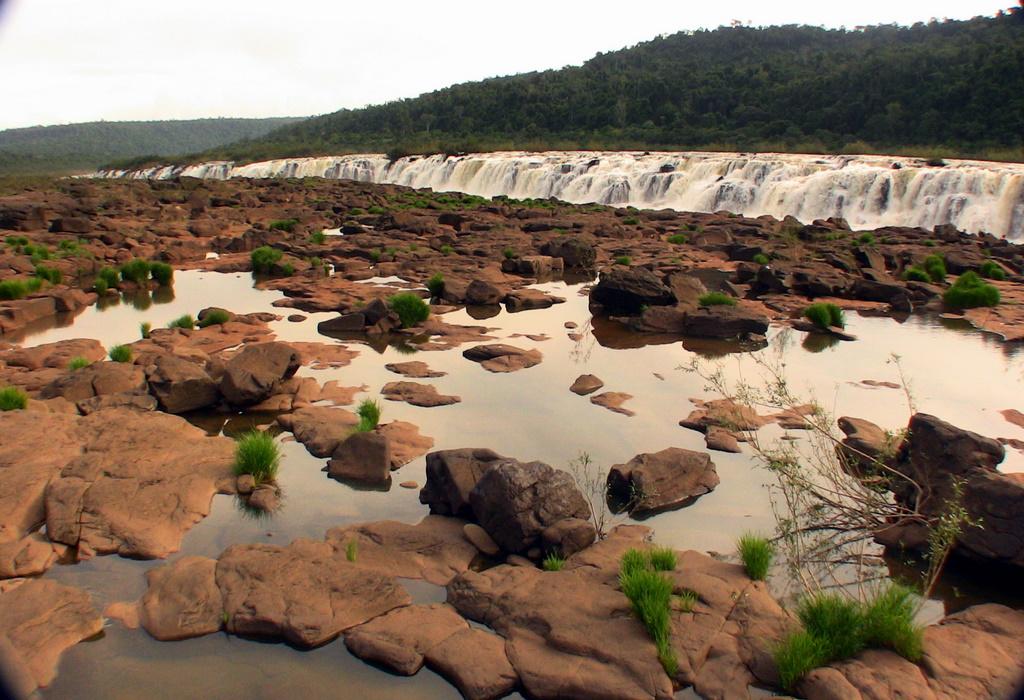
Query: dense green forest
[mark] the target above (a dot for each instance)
(81, 147)
(949, 88)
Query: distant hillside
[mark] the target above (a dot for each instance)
(78, 147)
(952, 87)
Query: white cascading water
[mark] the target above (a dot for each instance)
(867, 191)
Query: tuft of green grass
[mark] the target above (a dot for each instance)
(992, 271)
(716, 299)
(915, 274)
(257, 454)
(216, 317)
(688, 600)
(757, 554)
(144, 329)
(662, 558)
(866, 239)
(162, 273)
(623, 260)
(184, 321)
(287, 225)
(969, 291)
(49, 274)
(631, 221)
(509, 254)
(136, 271)
(436, 285)
(264, 258)
(12, 399)
(377, 210)
(447, 249)
(108, 275)
(889, 622)
(824, 315)
(796, 656)
(935, 266)
(633, 560)
(553, 562)
(318, 238)
(121, 353)
(369, 415)
(79, 362)
(678, 238)
(411, 309)
(761, 259)
(835, 620)
(352, 550)
(650, 595)
(100, 287)
(14, 289)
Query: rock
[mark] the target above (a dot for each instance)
(613, 400)
(423, 395)
(476, 662)
(451, 475)
(265, 498)
(1012, 415)
(182, 600)
(406, 442)
(724, 322)
(656, 481)
(296, 318)
(480, 539)
(320, 428)
(414, 369)
(180, 386)
(628, 289)
(503, 358)
(363, 457)
(409, 485)
(568, 536)
(98, 379)
(529, 299)
(720, 439)
(135, 402)
(724, 413)
(56, 355)
(254, 373)
(586, 384)
(865, 442)
(245, 484)
(400, 639)
(515, 501)
(306, 593)
(29, 556)
(575, 252)
(39, 620)
(483, 293)
(140, 481)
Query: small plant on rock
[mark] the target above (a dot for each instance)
(447, 249)
(264, 258)
(824, 315)
(992, 271)
(969, 291)
(623, 260)
(662, 558)
(650, 594)
(553, 562)
(162, 273)
(12, 399)
(935, 266)
(369, 415)
(757, 554)
(915, 274)
(184, 321)
(121, 353)
(287, 225)
(761, 259)
(352, 550)
(49, 274)
(716, 299)
(257, 454)
(688, 600)
(318, 238)
(509, 254)
(135, 271)
(144, 329)
(77, 363)
(214, 317)
(411, 309)
(435, 285)
(678, 238)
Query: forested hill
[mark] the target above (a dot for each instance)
(957, 85)
(77, 147)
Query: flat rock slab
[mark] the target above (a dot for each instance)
(324, 355)
(54, 355)
(613, 401)
(29, 556)
(182, 600)
(414, 369)
(416, 394)
(406, 442)
(586, 384)
(655, 481)
(306, 593)
(1013, 416)
(39, 619)
(320, 428)
(503, 358)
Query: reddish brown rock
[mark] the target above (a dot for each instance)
(253, 374)
(319, 428)
(400, 639)
(414, 369)
(56, 355)
(656, 481)
(406, 442)
(586, 384)
(98, 379)
(28, 556)
(423, 395)
(363, 457)
(503, 358)
(451, 475)
(613, 400)
(182, 600)
(180, 386)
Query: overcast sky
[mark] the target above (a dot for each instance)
(65, 61)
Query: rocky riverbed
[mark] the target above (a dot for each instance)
(554, 330)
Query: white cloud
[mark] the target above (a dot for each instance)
(69, 60)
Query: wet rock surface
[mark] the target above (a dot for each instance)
(423, 395)
(503, 358)
(656, 481)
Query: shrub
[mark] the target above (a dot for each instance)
(678, 238)
(50, 274)
(797, 655)
(108, 275)
(369, 415)
(761, 259)
(136, 271)
(77, 363)
(184, 321)
(553, 562)
(12, 399)
(631, 221)
(688, 600)
(100, 287)
(376, 210)
(866, 239)
(969, 292)
(162, 273)
(264, 258)
(352, 550)
(318, 238)
(436, 285)
(257, 454)
(411, 309)
(824, 315)
(509, 254)
(287, 225)
(992, 271)
(757, 554)
(915, 274)
(623, 260)
(662, 558)
(935, 266)
(889, 622)
(716, 299)
(144, 328)
(121, 353)
(287, 269)
(447, 249)
(215, 317)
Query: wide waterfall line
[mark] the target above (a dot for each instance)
(867, 191)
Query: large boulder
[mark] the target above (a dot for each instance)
(629, 289)
(98, 379)
(514, 502)
(320, 428)
(656, 481)
(575, 252)
(254, 373)
(451, 476)
(182, 600)
(724, 322)
(363, 457)
(179, 385)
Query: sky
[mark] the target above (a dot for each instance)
(65, 61)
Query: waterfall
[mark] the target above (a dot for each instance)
(868, 191)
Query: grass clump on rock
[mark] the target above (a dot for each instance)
(287, 225)
(969, 291)
(435, 285)
(678, 238)
(553, 562)
(318, 238)
(258, 455)
(369, 415)
(184, 321)
(352, 550)
(411, 309)
(144, 329)
(662, 558)
(49, 274)
(716, 299)
(761, 259)
(214, 317)
(650, 594)
(757, 554)
(162, 273)
(509, 254)
(935, 266)
(12, 399)
(992, 271)
(18, 289)
(77, 363)
(120, 353)
(623, 260)
(825, 315)
(915, 274)
(136, 271)
(264, 258)
(688, 600)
